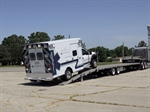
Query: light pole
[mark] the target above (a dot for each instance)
(123, 50)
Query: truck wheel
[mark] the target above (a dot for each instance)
(112, 71)
(142, 66)
(93, 63)
(68, 74)
(117, 70)
(145, 65)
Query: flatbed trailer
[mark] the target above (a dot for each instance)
(110, 69)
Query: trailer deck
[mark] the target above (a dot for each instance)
(109, 67)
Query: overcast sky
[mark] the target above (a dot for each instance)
(105, 23)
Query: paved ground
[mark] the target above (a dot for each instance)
(127, 92)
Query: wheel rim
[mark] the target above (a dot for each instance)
(142, 65)
(95, 63)
(68, 74)
(113, 71)
(145, 65)
(118, 71)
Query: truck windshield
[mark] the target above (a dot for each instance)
(84, 52)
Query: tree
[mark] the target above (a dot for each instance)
(38, 37)
(13, 45)
(130, 51)
(142, 44)
(58, 37)
(101, 53)
(93, 49)
(119, 51)
(112, 53)
(5, 56)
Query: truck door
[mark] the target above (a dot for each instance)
(36, 60)
(76, 54)
(85, 56)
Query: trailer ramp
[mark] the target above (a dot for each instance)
(79, 76)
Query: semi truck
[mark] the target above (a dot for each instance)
(139, 55)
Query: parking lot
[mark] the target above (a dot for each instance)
(127, 92)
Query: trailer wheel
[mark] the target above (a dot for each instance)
(68, 74)
(117, 70)
(112, 71)
(94, 63)
(145, 65)
(142, 65)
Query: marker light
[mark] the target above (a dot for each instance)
(39, 45)
(29, 46)
(48, 66)
(52, 46)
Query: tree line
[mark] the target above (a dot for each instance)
(11, 48)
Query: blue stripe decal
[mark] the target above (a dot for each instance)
(56, 65)
(76, 60)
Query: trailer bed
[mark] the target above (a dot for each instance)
(99, 68)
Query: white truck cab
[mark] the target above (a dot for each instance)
(45, 61)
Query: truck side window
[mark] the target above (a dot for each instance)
(32, 56)
(39, 56)
(84, 52)
(74, 53)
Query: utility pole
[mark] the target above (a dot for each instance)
(148, 28)
(123, 50)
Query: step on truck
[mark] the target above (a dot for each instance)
(46, 61)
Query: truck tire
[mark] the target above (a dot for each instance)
(145, 65)
(112, 71)
(68, 74)
(117, 70)
(93, 63)
(142, 66)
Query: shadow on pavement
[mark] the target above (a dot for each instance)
(40, 84)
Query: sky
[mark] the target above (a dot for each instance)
(107, 23)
